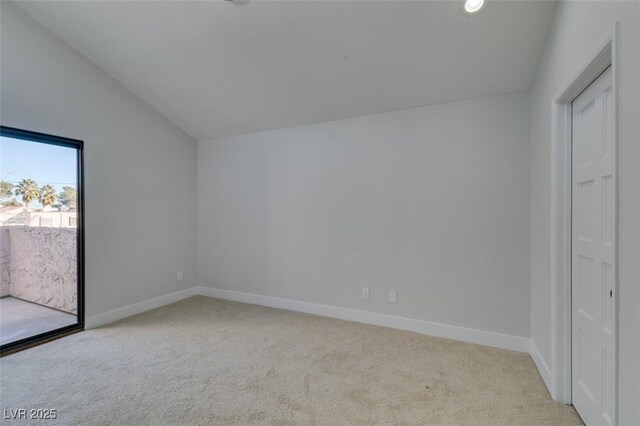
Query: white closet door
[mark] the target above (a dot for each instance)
(593, 252)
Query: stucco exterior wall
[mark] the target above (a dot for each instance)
(4, 262)
(40, 265)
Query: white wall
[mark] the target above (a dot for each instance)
(577, 29)
(432, 202)
(140, 169)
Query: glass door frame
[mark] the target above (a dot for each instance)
(78, 145)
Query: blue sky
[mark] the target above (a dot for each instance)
(46, 164)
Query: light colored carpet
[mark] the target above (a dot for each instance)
(206, 361)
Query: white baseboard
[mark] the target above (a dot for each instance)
(137, 308)
(470, 335)
(487, 338)
(541, 365)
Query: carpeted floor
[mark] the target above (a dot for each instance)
(206, 361)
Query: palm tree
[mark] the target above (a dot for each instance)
(29, 191)
(68, 197)
(6, 189)
(48, 195)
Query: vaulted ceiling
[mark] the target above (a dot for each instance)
(220, 68)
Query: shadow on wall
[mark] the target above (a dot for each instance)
(39, 265)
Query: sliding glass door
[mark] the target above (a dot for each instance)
(41, 238)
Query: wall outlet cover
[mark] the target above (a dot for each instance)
(365, 293)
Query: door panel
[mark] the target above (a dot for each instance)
(593, 253)
(41, 238)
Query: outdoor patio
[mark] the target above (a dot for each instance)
(38, 280)
(20, 319)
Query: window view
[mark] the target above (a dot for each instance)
(39, 250)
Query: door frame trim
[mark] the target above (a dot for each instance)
(605, 54)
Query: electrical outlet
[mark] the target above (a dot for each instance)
(393, 296)
(365, 293)
(179, 277)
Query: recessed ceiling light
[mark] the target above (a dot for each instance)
(473, 6)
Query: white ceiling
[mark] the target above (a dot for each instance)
(226, 68)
